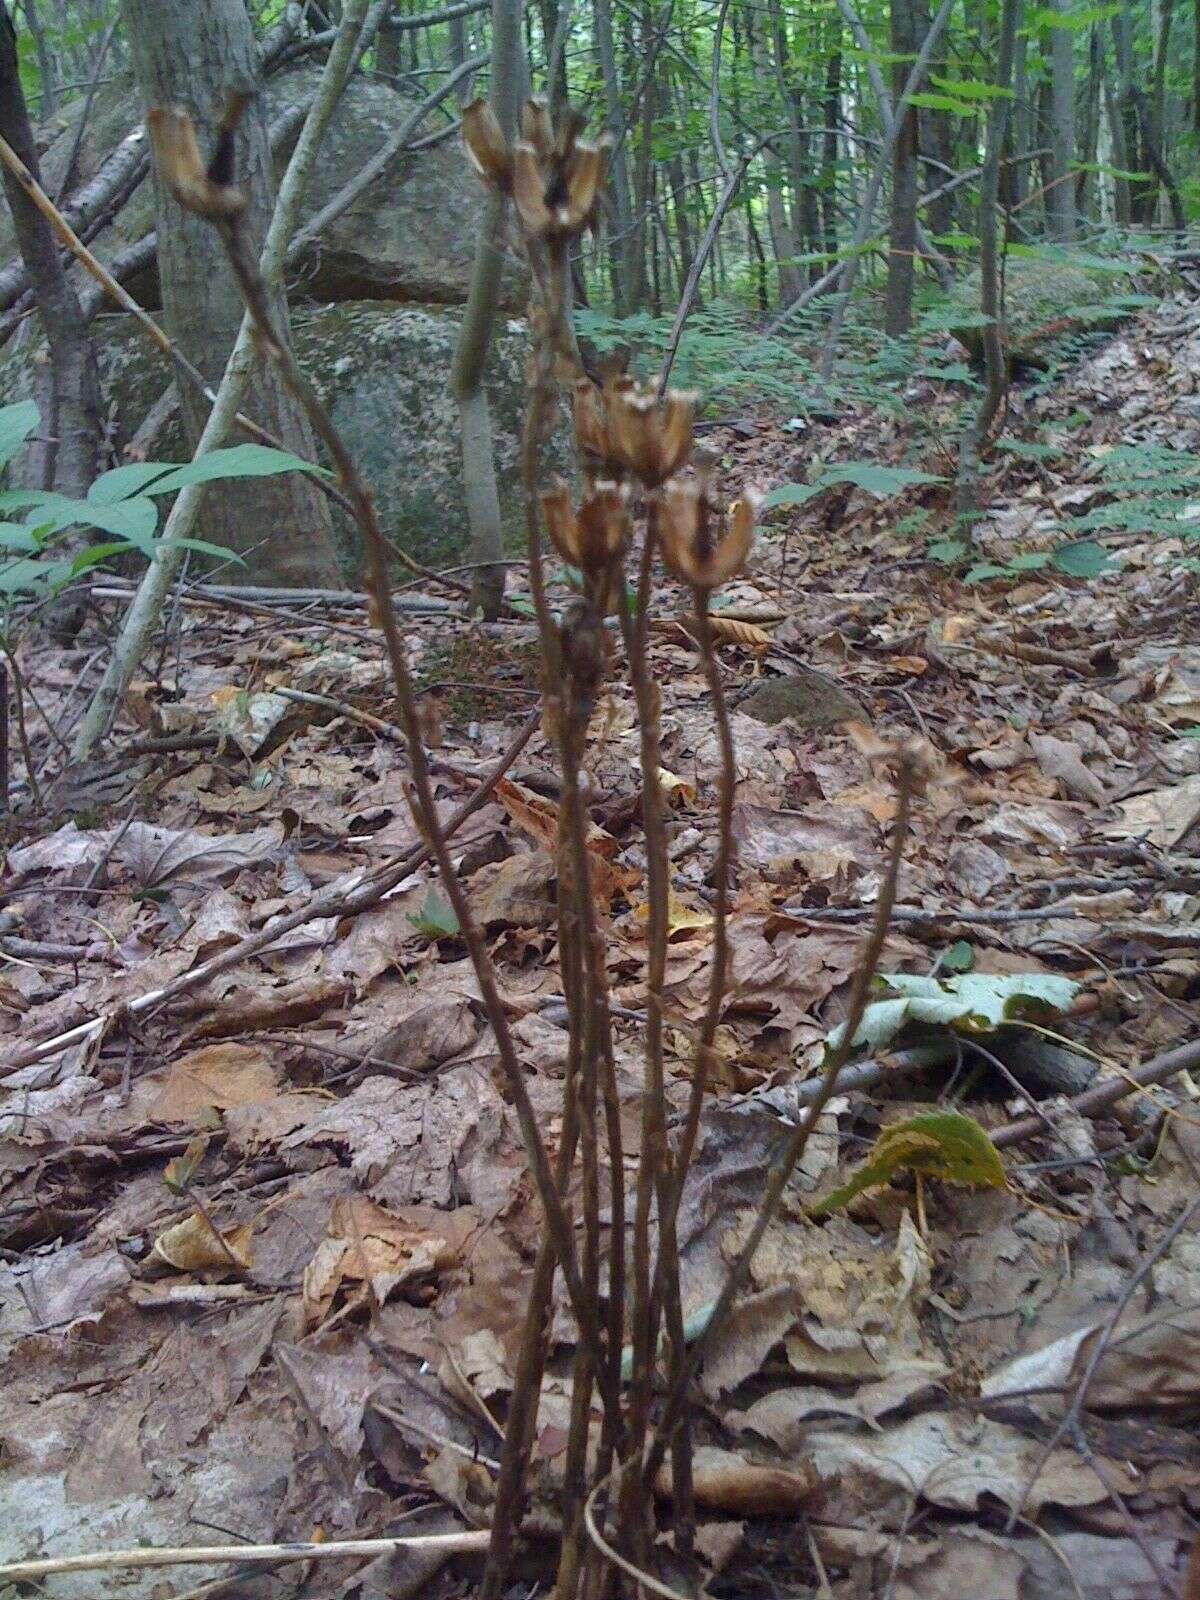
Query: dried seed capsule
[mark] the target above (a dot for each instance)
(700, 544)
(486, 145)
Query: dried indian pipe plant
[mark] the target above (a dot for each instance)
(210, 193)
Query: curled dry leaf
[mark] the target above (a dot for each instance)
(723, 1481)
(193, 1246)
(727, 630)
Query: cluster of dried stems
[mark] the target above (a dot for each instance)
(635, 449)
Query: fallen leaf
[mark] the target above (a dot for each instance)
(1163, 817)
(370, 1253)
(215, 1078)
(192, 1246)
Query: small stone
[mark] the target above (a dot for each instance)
(806, 697)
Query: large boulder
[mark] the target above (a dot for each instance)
(409, 237)
(1043, 300)
(382, 371)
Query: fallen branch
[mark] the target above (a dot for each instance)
(1097, 1099)
(259, 1555)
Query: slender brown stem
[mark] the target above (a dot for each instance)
(727, 791)
(18, 705)
(785, 1163)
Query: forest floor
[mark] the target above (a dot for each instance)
(330, 1098)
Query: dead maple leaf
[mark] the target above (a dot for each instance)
(370, 1253)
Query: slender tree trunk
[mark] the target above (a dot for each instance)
(1022, 125)
(1091, 123)
(1060, 197)
(486, 536)
(47, 69)
(1120, 153)
(902, 234)
(193, 53)
(829, 151)
(995, 354)
(783, 244)
(624, 267)
(67, 452)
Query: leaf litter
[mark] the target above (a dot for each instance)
(266, 1244)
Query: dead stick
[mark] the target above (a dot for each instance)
(1102, 1095)
(244, 1554)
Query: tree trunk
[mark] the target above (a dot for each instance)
(995, 354)
(1022, 125)
(67, 452)
(194, 52)
(1120, 154)
(623, 251)
(902, 234)
(1060, 197)
(485, 530)
(1091, 124)
(829, 151)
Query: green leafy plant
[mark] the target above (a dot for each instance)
(121, 503)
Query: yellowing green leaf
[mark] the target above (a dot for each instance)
(937, 1144)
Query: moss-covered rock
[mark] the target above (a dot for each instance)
(409, 237)
(383, 372)
(1040, 297)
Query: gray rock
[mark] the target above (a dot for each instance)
(806, 697)
(1038, 299)
(409, 237)
(382, 371)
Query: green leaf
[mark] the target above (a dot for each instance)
(791, 494)
(959, 957)
(207, 549)
(1027, 450)
(135, 520)
(948, 551)
(17, 422)
(133, 478)
(938, 1144)
(1083, 560)
(436, 919)
(14, 537)
(239, 461)
(968, 1003)
(983, 570)
(1030, 561)
(942, 102)
(875, 479)
(94, 554)
(972, 89)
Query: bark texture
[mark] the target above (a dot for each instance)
(67, 452)
(193, 53)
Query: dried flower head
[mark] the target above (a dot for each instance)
(702, 543)
(647, 436)
(486, 145)
(555, 175)
(208, 191)
(595, 538)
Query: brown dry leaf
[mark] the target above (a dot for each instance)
(215, 1078)
(956, 1460)
(1063, 761)
(515, 893)
(1163, 817)
(539, 819)
(959, 1563)
(679, 791)
(724, 1481)
(192, 1246)
(250, 1008)
(912, 666)
(370, 1253)
(727, 630)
